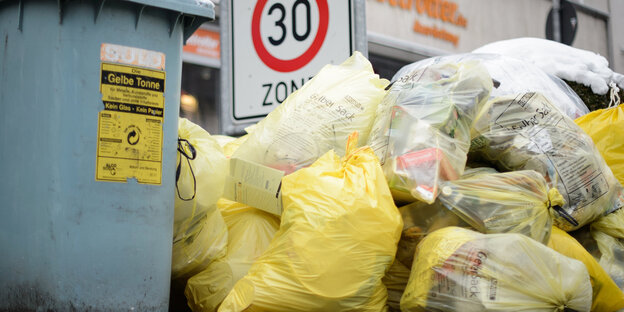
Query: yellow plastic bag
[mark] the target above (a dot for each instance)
(461, 270)
(223, 140)
(608, 232)
(527, 132)
(230, 147)
(318, 117)
(199, 232)
(510, 202)
(250, 231)
(606, 128)
(606, 294)
(229, 144)
(337, 238)
(422, 130)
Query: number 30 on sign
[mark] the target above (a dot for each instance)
(278, 45)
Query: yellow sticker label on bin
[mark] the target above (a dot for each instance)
(130, 128)
(132, 85)
(129, 145)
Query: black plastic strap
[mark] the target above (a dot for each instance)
(496, 83)
(565, 215)
(183, 152)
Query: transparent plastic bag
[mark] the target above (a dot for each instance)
(606, 128)
(608, 233)
(461, 270)
(250, 231)
(318, 117)
(510, 202)
(199, 232)
(422, 130)
(476, 170)
(395, 281)
(527, 132)
(606, 294)
(514, 76)
(336, 240)
(420, 219)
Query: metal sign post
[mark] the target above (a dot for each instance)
(561, 22)
(271, 48)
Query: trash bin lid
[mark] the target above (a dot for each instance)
(193, 12)
(199, 8)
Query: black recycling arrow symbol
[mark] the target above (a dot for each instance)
(133, 137)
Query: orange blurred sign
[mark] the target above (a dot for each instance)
(443, 10)
(204, 43)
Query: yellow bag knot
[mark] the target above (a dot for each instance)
(555, 198)
(352, 143)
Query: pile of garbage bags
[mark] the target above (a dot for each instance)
(464, 184)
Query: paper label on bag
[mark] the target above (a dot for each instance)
(254, 185)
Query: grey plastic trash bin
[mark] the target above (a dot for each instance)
(90, 97)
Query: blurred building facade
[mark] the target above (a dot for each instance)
(403, 31)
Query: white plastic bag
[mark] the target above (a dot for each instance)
(561, 60)
(514, 76)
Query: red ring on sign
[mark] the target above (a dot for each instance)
(281, 65)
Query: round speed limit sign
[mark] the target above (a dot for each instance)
(278, 45)
(300, 32)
